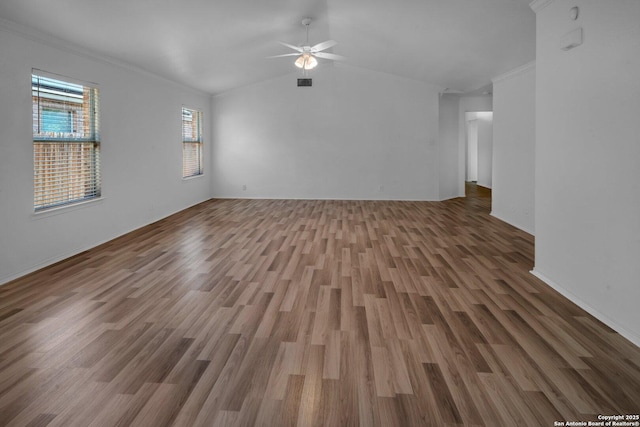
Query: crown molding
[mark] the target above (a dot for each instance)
(37, 36)
(515, 72)
(538, 5)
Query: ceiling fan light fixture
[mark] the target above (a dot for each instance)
(306, 61)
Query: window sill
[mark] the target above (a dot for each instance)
(189, 178)
(64, 209)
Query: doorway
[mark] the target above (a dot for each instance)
(479, 148)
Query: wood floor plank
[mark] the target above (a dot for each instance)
(308, 312)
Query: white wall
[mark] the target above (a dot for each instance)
(349, 134)
(514, 147)
(587, 175)
(448, 146)
(140, 152)
(485, 149)
(468, 104)
(472, 149)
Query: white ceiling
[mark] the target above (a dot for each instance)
(217, 45)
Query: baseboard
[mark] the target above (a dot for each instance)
(49, 261)
(525, 229)
(53, 260)
(630, 335)
(321, 198)
(444, 199)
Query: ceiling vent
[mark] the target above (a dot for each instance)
(304, 82)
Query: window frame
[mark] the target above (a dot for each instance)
(66, 163)
(188, 171)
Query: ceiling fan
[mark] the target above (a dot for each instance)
(307, 54)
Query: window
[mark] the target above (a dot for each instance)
(66, 145)
(56, 120)
(191, 143)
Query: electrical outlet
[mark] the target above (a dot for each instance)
(244, 187)
(381, 188)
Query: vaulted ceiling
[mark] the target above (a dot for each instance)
(218, 45)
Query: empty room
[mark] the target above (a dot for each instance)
(300, 213)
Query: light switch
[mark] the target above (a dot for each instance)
(571, 39)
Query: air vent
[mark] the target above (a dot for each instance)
(304, 82)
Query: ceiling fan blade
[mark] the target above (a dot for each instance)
(285, 54)
(323, 45)
(290, 46)
(331, 56)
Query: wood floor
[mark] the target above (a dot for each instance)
(282, 313)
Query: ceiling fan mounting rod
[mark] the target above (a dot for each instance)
(306, 22)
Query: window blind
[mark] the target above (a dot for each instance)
(66, 142)
(192, 164)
